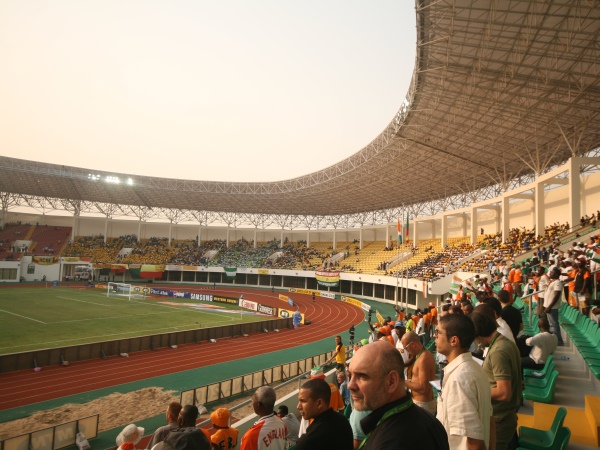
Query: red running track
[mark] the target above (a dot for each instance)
(328, 317)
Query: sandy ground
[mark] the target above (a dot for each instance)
(117, 410)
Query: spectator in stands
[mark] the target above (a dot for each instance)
(466, 307)
(420, 372)
(131, 435)
(465, 404)
(342, 381)
(496, 308)
(268, 432)
(291, 423)
(377, 384)
(357, 432)
(552, 297)
(328, 429)
(543, 345)
(502, 366)
(159, 435)
(510, 314)
(226, 437)
(339, 355)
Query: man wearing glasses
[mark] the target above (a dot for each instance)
(465, 403)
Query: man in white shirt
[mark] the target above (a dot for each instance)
(543, 345)
(543, 283)
(465, 404)
(552, 303)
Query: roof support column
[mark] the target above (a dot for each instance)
(574, 190)
(414, 232)
(360, 237)
(170, 231)
(473, 225)
(255, 231)
(464, 224)
(105, 229)
(308, 238)
(540, 209)
(444, 230)
(505, 217)
(334, 239)
(227, 237)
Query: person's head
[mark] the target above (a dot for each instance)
(484, 319)
(504, 296)
(493, 303)
(220, 418)
(314, 397)
(376, 376)
(338, 340)
(455, 309)
(282, 411)
(445, 309)
(131, 433)
(555, 273)
(543, 324)
(466, 307)
(541, 271)
(454, 334)
(173, 411)
(188, 416)
(341, 377)
(263, 400)
(412, 343)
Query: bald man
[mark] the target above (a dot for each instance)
(420, 373)
(377, 384)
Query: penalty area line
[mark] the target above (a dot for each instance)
(24, 317)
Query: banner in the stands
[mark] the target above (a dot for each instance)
(263, 271)
(45, 260)
(118, 268)
(146, 271)
(231, 272)
(328, 278)
(174, 267)
(75, 259)
(327, 294)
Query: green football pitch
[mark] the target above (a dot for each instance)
(42, 318)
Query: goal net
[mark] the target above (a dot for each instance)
(125, 290)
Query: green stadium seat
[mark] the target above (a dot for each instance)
(534, 439)
(542, 394)
(540, 382)
(544, 371)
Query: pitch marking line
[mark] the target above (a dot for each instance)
(24, 317)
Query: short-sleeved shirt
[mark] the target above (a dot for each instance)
(553, 287)
(225, 438)
(503, 362)
(340, 358)
(465, 404)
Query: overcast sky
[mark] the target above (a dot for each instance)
(249, 90)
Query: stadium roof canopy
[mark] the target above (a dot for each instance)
(500, 90)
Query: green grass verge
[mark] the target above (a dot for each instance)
(41, 318)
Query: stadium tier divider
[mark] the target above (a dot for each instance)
(11, 362)
(56, 437)
(220, 390)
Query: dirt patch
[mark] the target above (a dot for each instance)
(118, 410)
(115, 410)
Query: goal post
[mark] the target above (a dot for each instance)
(125, 290)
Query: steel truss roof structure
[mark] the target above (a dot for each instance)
(502, 91)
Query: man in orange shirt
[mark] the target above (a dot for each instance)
(518, 281)
(434, 317)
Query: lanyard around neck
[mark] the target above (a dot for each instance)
(395, 410)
